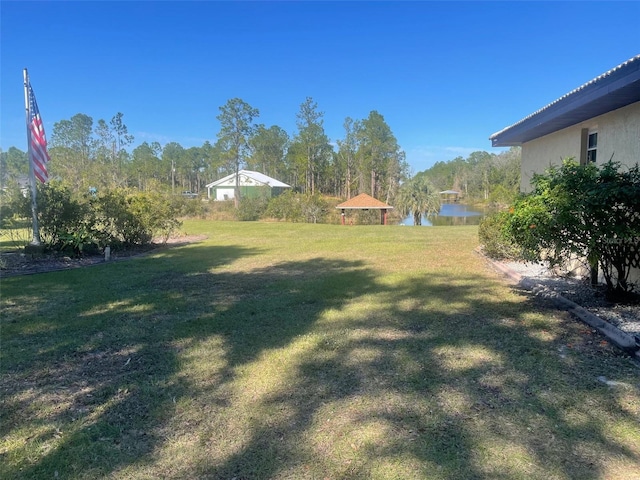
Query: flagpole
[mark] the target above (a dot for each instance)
(32, 177)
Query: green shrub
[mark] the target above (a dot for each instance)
(251, 209)
(78, 241)
(115, 223)
(60, 215)
(583, 211)
(224, 210)
(314, 208)
(79, 224)
(156, 213)
(14, 205)
(188, 207)
(501, 196)
(298, 207)
(495, 239)
(286, 206)
(122, 218)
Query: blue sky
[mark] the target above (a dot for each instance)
(445, 75)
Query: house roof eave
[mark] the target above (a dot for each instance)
(610, 91)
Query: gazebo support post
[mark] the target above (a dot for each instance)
(342, 217)
(383, 216)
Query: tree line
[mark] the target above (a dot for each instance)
(97, 155)
(367, 159)
(482, 177)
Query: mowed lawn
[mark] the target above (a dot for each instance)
(298, 351)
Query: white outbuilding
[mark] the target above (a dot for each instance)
(251, 184)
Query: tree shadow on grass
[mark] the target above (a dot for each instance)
(86, 365)
(96, 384)
(298, 369)
(460, 385)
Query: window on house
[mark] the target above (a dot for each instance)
(592, 146)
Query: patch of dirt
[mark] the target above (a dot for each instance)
(18, 263)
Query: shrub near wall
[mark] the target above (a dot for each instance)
(585, 211)
(495, 239)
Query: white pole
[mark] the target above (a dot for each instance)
(32, 176)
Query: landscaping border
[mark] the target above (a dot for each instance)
(617, 337)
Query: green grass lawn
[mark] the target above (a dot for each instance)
(12, 239)
(298, 351)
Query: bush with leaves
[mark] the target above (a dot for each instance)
(115, 223)
(612, 207)
(188, 207)
(63, 220)
(219, 210)
(118, 218)
(495, 239)
(78, 241)
(298, 207)
(314, 208)
(251, 209)
(501, 196)
(286, 206)
(156, 213)
(123, 218)
(14, 205)
(583, 211)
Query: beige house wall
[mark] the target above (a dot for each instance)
(618, 135)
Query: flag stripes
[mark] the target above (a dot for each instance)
(38, 155)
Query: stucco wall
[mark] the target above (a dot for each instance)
(618, 135)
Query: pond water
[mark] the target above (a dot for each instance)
(450, 214)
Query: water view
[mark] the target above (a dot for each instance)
(451, 214)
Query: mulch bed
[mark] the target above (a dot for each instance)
(18, 263)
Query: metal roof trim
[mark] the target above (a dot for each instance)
(257, 177)
(596, 88)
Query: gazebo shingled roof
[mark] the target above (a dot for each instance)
(364, 202)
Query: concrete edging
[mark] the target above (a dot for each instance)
(616, 336)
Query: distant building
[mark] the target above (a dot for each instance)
(21, 181)
(251, 185)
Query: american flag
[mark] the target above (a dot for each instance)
(37, 140)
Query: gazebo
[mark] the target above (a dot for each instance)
(365, 202)
(449, 194)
